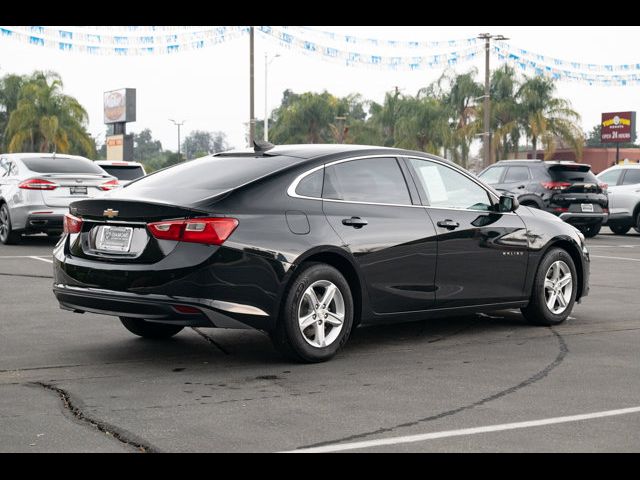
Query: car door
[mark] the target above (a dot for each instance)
(482, 253)
(612, 178)
(368, 203)
(516, 179)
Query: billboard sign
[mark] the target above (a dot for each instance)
(120, 106)
(618, 127)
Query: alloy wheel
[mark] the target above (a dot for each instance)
(321, 314)
(558, 286)
(4, 223)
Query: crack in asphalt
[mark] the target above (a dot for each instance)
(24, 275)
(72, 406)
(562, 353)
(210, 340)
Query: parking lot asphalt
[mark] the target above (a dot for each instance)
(71, 382)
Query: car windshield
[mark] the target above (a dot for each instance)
(124, 172)
(62, 165)
(572, 173)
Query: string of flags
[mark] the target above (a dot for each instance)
(348, 50)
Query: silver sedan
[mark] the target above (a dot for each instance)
(37, 188)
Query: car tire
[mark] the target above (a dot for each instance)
(327, 324)
(8, 236)
(153, 330)
(543, 308)
(636, 227)
(619, 229)
(592, 230)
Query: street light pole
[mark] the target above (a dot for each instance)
(486, 140)
(178, 124)
(266, 118)
(252, 118)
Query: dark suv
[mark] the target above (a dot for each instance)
(565, 188)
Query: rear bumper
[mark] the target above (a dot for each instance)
(159, 308)
(620, 219)
(584, 218)
(44, 223)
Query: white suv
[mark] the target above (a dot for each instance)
(125, 172)
(624, 197)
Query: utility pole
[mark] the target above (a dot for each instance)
(252, 117)
(486, 140)
(178, 124)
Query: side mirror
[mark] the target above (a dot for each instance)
(508, 203)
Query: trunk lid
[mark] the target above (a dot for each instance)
(72, 187)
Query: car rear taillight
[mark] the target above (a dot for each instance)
(110, 185)
(210, 231)
(556, 185)
(186, 309)
(561, 209)
(37, 184)
(603, 186)
(71, 224)
(605, 210)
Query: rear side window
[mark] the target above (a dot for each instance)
(516, 174)
(631, 177)
(492, 175)
(62, 165)
(122, 172)
(572, 174)
(371, 180)
(311, 185)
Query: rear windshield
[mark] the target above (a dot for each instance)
(203, 177)
(570, 173)
(62, 165)
(122, 172)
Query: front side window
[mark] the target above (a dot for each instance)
(447, 188)
(631, 177)
(611, 177)
(492, 175)
(370, 180)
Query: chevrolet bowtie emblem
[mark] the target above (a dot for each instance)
(109, 213)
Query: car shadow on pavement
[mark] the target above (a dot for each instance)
(250, 348)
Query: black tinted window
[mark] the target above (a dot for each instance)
(516, 174)
(375, 180)
(631, 177)
(123, 173)
(62, 165)
(311, 185)
(572, 174)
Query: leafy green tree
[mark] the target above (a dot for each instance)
(45, 119)
(545, 117)
(423, 125)
(201, 143)
(505, 113)
(10, 86)
(145, 147)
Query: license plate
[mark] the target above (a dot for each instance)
(114, 239)
(587, 207)
(78, 190)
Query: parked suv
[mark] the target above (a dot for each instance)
(624, 197)
(567, 189)
(37, 188)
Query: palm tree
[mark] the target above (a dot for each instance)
(305, 118)
(458, 93)
(505, 112)
(45, 119)
(385, 117)
(545, 117)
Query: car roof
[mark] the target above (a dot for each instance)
(528, 161)
(624, 165)
(314, 150)
(20, 156)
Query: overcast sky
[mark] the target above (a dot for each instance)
(208, 88)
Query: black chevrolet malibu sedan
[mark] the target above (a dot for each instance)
(308, 241)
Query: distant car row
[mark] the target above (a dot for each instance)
(36, 189)
(572, 192)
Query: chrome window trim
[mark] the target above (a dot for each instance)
(291, 191)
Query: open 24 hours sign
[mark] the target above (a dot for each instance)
(618, 127)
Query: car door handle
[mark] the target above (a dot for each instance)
(520, 186)
(355, 222)
(448, 224)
